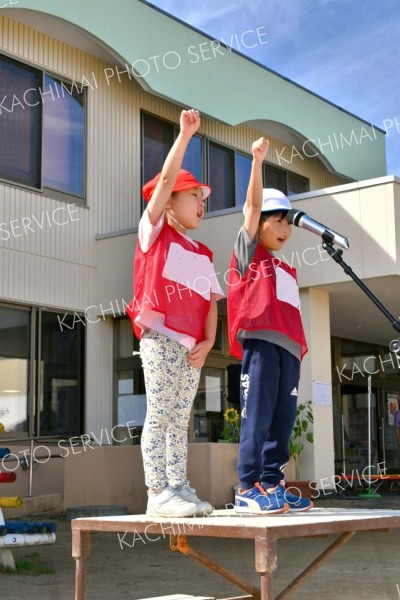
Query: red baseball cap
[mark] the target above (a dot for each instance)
(184, 181)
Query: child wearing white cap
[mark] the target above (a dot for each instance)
(266, 332)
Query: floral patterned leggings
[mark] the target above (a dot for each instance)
(171, 385)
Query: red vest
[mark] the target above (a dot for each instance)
(253, 302)
(185, 310)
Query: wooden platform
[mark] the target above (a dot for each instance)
(264, 530)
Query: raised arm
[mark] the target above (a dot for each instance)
(198, 354)
(189, 124)
(254, 190)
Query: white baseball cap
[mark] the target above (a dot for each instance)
(272, 200)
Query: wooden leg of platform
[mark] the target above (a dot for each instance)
(267, 592)
(178, 543)
(80, 552)
(266, 564)
(296, 583)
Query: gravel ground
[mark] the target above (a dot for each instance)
(366, 568)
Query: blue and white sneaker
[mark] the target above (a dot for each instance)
(259, 502)
(295, 503)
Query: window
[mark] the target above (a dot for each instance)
(227, 170)
(63, 137)
(42, 130)
(286, 182)
(218, 347)
(15, 333)
(221, 163)
(242, 176)
(274, 178)
(129, 404)
(296, 184)
(20, 123)
(209, 404)
(157, 139)
(193, 159)
(41, 391)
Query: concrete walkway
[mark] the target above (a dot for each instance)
(367, 568)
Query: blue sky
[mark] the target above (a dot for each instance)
(348, 51)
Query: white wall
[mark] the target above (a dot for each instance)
(317, 459)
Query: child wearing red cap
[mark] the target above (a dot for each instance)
(174, 314)
(266, 332)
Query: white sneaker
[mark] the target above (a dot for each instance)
(189, 494)
(169, 504)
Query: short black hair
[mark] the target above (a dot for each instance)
(273, 213)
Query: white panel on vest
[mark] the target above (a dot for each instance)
(286, 288)
(192, 270)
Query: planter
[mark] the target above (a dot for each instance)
(290, 470)
(212, 471)
(301, 488)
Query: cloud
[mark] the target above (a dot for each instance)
(359, 73)
(346, 52)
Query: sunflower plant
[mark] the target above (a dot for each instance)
(231, 430)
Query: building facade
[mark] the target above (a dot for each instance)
(88, 113)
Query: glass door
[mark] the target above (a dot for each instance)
(389, 421)
(60, 377)
(355, 429)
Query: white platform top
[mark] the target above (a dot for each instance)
(322, 519)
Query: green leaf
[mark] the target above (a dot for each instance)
(304, 417)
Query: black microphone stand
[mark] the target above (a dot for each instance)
(336, 254)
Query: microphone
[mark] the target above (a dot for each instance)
(300, 219)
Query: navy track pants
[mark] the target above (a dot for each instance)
(268, 397)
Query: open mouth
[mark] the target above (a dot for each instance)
(200, 214)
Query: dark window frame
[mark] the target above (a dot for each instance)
(301, 178)
(236, 152)
(38, 123)
(82, 368)
(231, 151)
(286, 174)
(35, 384)
(174, 130)
(38, 186)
